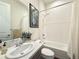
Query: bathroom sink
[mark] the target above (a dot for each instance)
(20, 51)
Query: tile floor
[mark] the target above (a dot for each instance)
(43, 58)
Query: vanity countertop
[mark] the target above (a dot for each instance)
(38, 45)
(2, 56)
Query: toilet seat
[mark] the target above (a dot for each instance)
(47, 52)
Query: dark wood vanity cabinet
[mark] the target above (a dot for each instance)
(37, 55)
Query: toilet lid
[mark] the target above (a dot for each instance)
(47, 52)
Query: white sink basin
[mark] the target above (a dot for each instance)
(20, 51)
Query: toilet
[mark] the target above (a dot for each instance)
(47, 53)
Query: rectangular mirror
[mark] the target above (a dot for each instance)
(12, 14)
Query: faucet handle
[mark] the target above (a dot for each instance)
(43, 36)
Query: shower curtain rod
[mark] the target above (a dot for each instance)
(57, 6)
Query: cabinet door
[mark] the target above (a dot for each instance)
(37, 55)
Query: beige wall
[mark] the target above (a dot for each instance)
(18, 12)
(33, 2)
(75, 35)
(41, 17)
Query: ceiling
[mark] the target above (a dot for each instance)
(50, 1)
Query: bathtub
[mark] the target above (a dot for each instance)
(60, 49)
(56, 45)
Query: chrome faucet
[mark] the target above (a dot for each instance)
(18, 42)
